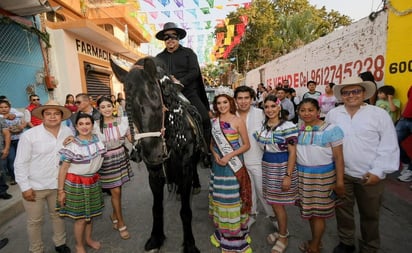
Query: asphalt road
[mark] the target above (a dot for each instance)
(396, 225)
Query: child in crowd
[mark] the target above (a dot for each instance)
(387, 102)
(79, 192)
(312, 93)
(320, 167)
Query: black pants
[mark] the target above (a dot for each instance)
(204, 113)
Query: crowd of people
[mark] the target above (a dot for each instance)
(335, 156)
(323, 153)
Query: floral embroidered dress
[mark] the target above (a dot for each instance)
(231, 232)
(116, 169)
(316, 169)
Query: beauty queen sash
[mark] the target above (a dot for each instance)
(224, 146)
(236, 165)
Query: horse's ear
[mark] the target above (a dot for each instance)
(118, 71)
(150, 66)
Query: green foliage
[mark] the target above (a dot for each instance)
(278, 27)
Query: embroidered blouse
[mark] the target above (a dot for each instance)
(277, 139)
(315, 144)
(85, 156)
(114, 133)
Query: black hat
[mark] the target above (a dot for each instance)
(170, 26)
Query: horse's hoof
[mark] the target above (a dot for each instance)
(154, 243)
(191, 249)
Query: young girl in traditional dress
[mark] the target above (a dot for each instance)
(230, 192)
(321, 168)
(116, 169)
(79, 192)
(278, 139)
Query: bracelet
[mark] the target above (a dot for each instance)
(287, 174)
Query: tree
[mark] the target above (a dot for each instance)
(277, 27)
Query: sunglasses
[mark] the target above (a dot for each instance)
(35, 99)
(78, 102)
(170, 36)
(346, 93)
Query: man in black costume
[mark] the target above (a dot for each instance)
(181, 62)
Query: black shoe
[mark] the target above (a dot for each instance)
(62, 249)
(3, 242)
(5, 196)
(343, 248)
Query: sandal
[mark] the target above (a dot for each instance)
(124, 234)
(304, 247)
(273, 237)
(114, 222)
(280, 246)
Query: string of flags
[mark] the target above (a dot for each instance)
(199, 18)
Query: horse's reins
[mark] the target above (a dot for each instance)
(138, 136)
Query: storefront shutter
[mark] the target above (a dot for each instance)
(97, 80)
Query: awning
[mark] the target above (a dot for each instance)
(87, 30)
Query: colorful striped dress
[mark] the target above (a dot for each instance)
(231, 232)
(316, 169)
(274, 143)
(84, 198)
(116, 169)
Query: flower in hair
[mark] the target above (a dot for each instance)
(224, 90)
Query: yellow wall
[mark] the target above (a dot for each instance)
(398, 66)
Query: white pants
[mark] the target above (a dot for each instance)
(255, 173)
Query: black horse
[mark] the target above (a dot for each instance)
(169, 140)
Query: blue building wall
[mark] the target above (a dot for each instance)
(20, 60)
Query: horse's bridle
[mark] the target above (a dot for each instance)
(141, 135)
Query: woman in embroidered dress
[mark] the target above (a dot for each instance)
(79, 192)
(321, 168)
(227, 203)
(280, 179)
(116, 169)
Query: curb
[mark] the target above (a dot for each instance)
(11, 208)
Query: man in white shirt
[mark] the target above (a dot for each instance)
(36, 168)
(371, 151)
(253, 118)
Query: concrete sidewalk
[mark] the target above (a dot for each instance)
(10, 208)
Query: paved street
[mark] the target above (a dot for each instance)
(396, 226)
